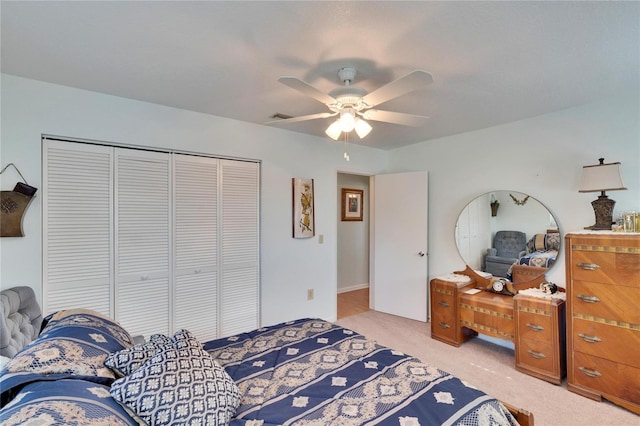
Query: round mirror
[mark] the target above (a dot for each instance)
(508, 234)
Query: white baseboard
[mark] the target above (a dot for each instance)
(353, 288)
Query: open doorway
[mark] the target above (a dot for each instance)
(353, 250)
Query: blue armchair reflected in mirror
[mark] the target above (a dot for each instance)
(508, 247)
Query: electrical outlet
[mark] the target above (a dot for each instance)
(310, 294)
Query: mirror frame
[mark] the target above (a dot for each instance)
(514, 200)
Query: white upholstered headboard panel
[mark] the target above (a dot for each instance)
(20, 319)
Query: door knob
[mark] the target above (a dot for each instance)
(421, 253)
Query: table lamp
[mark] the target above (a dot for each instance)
(602, 177)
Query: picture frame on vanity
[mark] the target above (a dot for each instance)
(352, 206)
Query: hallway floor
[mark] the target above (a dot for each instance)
(353, 303)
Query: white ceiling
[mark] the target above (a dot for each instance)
(492, 62)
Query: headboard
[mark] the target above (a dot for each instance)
(20, 319)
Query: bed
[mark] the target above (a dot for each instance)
(303, 372)
(540, 254)
(541, 250)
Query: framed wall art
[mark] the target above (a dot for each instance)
(352, 200)
(303, 208)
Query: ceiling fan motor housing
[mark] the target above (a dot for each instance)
(348, 96)
(347, 75)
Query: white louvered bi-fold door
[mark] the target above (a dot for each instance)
(240, 246)
(196, 246)
(77, 227)
(157, 241)
(143, 241)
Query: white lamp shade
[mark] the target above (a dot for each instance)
(601, 177)
(362, 128)
(347, 120)
(334, 130)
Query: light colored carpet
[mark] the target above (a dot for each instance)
(491, 368)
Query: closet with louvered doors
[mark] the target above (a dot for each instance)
(157, 240)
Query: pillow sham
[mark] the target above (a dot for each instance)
(128, 360)
(74, 342)
(180, 384)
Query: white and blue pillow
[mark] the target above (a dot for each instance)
(126, 361)
(180, 384)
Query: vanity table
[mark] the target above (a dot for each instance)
(461, 308)
(534, 323)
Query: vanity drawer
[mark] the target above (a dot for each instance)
(443, 300)
(606, 376)
(537, 354)
(443, 326)
(488, 313)
(606, 301)
(616, 343)
(534, 326)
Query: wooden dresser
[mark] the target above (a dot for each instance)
(603, 316)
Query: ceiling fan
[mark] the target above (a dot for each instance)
(353, 104)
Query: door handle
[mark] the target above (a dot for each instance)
(421, 253)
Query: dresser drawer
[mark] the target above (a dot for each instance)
(616, 343)
(606, 376)
(537, 354)
(606, 301)
(619, 268)
(534, 326)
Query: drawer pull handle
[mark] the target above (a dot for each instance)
(535, 327)
(590, 373)
(443, 303)
(588, 299)
(536, 355)
(590, 339)
(588, 266)
(443, 325)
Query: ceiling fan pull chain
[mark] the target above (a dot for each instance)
(346, 146)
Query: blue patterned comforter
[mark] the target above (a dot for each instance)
(312, 372)
(541, 258)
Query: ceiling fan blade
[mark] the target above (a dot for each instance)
(395, 117)
(303, 118)
(412, 81)
(307, 89)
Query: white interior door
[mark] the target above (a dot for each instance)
(399, 240)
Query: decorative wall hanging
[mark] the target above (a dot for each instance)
(13, 205)
(352, 204)
(519, 202)
(303, 208)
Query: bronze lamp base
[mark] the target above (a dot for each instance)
(603, 209)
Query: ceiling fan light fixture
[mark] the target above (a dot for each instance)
(334, 130)
(362, 128)
(347, 120)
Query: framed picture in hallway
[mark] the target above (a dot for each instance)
(352, 200)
